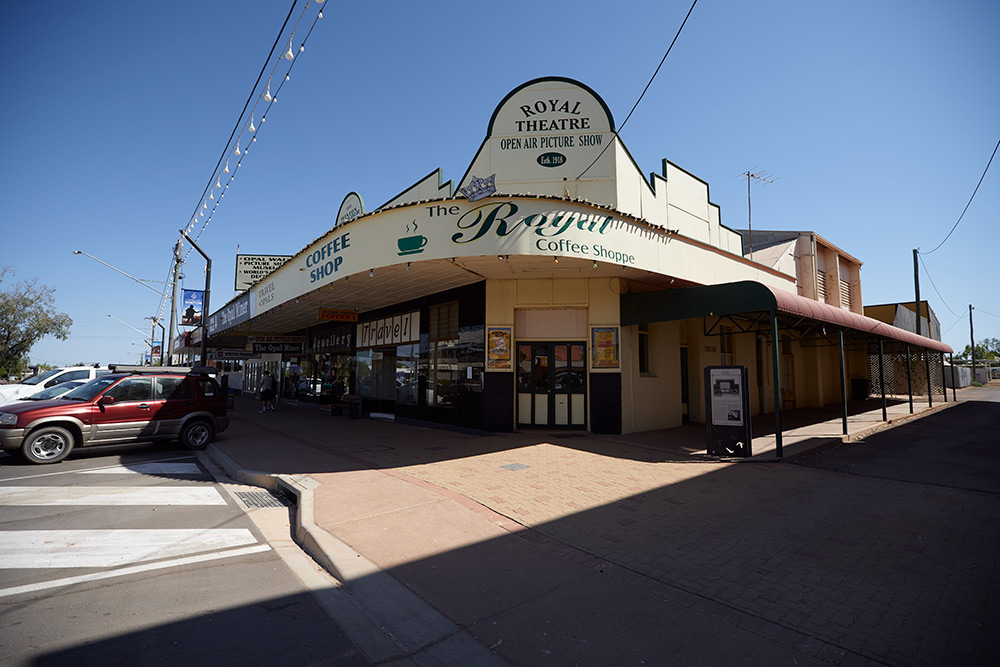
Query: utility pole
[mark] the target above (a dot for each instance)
(916, 289)
(204, 305)
(749, 176)
(173, 303)
(972, 339)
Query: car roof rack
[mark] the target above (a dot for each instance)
(149, 370)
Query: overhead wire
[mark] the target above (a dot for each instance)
(970, 200)
(924, 264)
(648, 84)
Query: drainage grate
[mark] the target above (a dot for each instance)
(515, 466)
(262, 499)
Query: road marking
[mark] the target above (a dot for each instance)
(74, 472)
(147, 469)
(38, 549)
(109, 495)
(135, 569)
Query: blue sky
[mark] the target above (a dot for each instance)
(878, 118)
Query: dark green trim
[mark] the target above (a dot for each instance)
(689, 302)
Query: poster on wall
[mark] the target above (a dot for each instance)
(604, 348)
(498, 350)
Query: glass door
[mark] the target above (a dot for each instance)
(551, 385)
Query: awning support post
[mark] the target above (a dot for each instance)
(951, 358)
(881, 380)
(930, 390)
(909, 377)
(843, 377)
(944, 385)
(775, 352)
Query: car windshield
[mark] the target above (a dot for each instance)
(39, 379)
(88, 391)
(53, 392)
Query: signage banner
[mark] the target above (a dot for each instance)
(338, 315)
(276, 339)
(394, 330)
(350, 209)
(192, 305)
(335, 340)
(271, 348)
(236, 312)
(251, 268)
(234, 354)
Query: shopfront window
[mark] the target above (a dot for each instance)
(442, 356)
(406, 374)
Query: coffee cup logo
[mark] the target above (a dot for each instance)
(410, 245)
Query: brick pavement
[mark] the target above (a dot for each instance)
(845, 568)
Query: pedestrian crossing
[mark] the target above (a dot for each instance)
(120, 519)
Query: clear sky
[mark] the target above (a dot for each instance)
(877, 118)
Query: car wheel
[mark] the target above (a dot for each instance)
(197, 434)
(47, 445)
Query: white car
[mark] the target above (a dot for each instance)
(56, 376)
(50, 393)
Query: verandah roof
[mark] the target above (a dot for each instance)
(749, 297)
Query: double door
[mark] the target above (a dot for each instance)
(551, 385)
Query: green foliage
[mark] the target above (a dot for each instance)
(987, 348)
(27, 314)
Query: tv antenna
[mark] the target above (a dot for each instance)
(751, 175)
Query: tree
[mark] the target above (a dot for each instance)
(27, 314)
(987, 348)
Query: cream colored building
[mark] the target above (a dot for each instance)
(557, 286)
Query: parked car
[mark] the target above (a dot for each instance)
(131, 404)
(29, 386)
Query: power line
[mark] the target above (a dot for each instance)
(935, 286)
(970, 198)
(622, 126)
(957, 320)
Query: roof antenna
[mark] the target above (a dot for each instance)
(751, 175)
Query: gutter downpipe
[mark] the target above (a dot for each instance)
(843, 377)
(881, 380)
(775, 343)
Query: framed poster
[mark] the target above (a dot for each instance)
(727, 411)
(604, 348)
(499, 355)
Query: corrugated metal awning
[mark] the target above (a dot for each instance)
(751, 297)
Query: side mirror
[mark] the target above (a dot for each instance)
(106, 400)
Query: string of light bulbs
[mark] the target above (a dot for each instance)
(265, 99)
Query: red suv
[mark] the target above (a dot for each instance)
(132, 404)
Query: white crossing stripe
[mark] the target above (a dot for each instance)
(35, 549)
(110, 495)
(125, 571)
(166, 468)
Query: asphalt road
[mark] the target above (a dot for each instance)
(138, 556)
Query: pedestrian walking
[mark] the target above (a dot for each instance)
(267, 392)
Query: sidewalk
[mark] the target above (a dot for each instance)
(561, 548)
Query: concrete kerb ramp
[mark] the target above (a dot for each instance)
(397, 625)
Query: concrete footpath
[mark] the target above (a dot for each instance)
(564, 548)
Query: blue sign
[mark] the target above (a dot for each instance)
(192, 304)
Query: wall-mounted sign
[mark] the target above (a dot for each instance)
(498, 349)
(238, 355)
(329, 315)
(230, 315)
(390, 330)
(276, 339)
(271, 348)
(192, 305)
(338, 340)
(604, 348)
(351, 208)
(250, 269)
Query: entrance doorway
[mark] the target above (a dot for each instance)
(551, 385)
